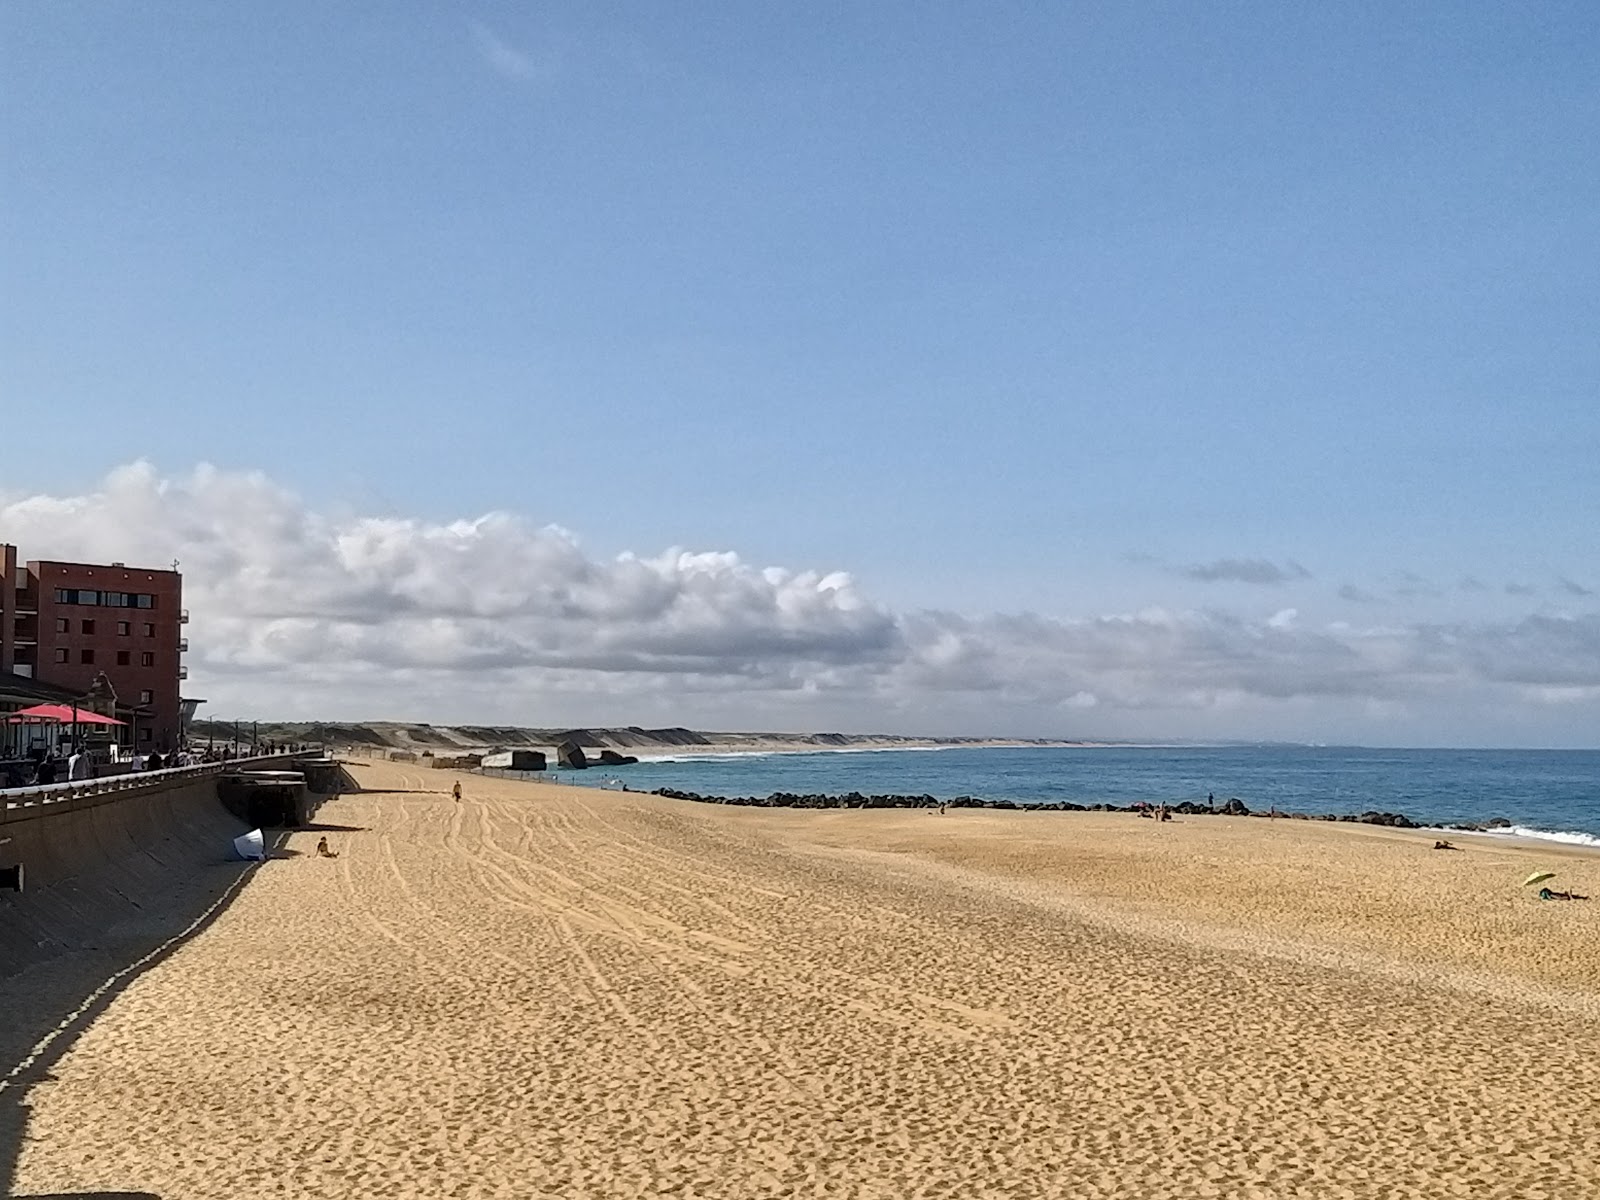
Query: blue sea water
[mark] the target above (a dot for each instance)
(1551, 793)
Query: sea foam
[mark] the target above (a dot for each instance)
(1567, 837)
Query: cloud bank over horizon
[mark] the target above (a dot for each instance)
(300, 614)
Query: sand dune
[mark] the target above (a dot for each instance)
(548, 991)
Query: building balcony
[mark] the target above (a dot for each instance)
(183, 672)
(183, 616)
(183, 645)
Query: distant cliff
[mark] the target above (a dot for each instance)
(446, 738)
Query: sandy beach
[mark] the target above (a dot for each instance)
(568, 992)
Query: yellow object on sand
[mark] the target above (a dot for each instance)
(1538, 877)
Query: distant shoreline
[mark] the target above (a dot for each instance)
(423, 736)
(632, 739)
(863, 745)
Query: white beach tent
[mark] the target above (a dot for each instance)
(250, 845)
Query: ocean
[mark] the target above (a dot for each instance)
(1552, 794)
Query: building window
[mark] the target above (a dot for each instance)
(149, 629)
(88, 626)
(145, 600)
(147, 659)
(63, 625)
(123, 658)
(147, 697)
(61, 654)
(123, 629)
(144, 734)
(86, 656)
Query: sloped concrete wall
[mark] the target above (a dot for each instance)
(93, 863)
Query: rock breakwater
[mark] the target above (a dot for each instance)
(1233, 807)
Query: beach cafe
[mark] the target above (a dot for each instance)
(38, 718)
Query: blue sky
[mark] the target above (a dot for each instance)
(1223, 310)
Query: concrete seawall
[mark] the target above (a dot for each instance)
(97, 862)
(116, 879)
(120, 873)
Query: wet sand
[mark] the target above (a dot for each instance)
(553, 991)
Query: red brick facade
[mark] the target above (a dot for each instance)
(73, 621)
(9, 585)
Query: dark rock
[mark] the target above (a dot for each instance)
(569, 754)
(1499, 823)
(1188, 808)
(1396, 820)
(610, 758)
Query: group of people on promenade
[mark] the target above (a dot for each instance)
(46, 766)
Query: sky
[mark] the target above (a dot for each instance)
(1118, 371)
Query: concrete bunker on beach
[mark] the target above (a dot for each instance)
(515, 760)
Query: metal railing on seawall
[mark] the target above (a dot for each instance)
(21, 803)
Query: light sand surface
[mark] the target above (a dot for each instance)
(553, 991)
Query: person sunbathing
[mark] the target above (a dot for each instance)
(322, 848)
(1547, 894)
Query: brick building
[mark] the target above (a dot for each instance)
(65, 623)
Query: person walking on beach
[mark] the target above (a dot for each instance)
(456, 791)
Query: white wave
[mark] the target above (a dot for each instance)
(1569, 837)
(798, 751)
(684, 758)
(878, 749)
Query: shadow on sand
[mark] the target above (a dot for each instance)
(49, 1003)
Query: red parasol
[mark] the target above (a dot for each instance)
(62, 713)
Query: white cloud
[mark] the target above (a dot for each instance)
(1245, 570)
(500, 54)
(298, 613)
